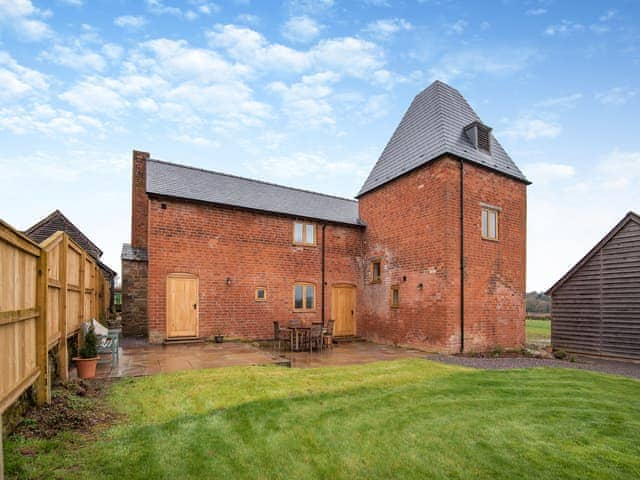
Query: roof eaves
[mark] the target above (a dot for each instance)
(630, 216)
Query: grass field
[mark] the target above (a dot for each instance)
(399, 419)
(538, 331)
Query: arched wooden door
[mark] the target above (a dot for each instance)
(182, 305)
(343, 310)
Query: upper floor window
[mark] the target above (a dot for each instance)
(304, 233)
(304, 297)
(261, 294)
(395, 296)
(376, 270)
(490, 218)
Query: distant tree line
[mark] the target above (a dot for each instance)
(538, 302)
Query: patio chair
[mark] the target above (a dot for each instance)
(108, 339)
(315, 336)
(328, 334)
(280, 335)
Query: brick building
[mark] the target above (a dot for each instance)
(431, 254)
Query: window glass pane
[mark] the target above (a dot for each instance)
(297, 232)
(376, 270)
(310, 234)
(492, 223)
(396, 296)
(309, 297)
(297, 302)
(485, 229)
(260, 293)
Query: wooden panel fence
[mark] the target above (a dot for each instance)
(46, 292)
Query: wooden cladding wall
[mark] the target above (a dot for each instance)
(597, 309)
(46, 292)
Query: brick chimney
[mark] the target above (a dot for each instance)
(139, 200)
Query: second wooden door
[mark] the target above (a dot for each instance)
(182, 306)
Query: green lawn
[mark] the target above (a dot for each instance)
(538, 331)
(399, 419)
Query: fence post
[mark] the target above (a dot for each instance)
(63, 353)
(42, 385)
(82, 299)
(1, 449)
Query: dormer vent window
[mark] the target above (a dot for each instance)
(479, 135)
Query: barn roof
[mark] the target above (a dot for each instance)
(434, 125)
(191, 183)
(629, 217)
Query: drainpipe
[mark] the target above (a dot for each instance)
(324, 226)
(461, 256)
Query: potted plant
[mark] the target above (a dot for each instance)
(87, 361)
(219, 337)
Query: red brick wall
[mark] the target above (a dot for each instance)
(413, 225)
(139, 201)
(253, 249)
(494, 271)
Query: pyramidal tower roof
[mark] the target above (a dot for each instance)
(437, 123)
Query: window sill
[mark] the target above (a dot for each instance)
(304, 311)
(304, 244)
(373, 282)
(495, 240)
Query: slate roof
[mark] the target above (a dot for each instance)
(432, 126)
(56, 221)
(190, 183)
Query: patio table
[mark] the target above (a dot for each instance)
(296, 333)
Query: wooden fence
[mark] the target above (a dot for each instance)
(46, 292)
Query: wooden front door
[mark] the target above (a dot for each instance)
(343, 310)
(182, 305)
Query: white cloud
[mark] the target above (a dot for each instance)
(565, 27)
(348, 55)
(75, 57)
(309, 7)
(301, 29)
(301, 164)
(197, 141)
(566, 101)
(130, 21)
(305, 103)
(90, 95)
(616, 96)
(472, 62)
(248, 18)
(543, 172)
(246, 45)
(19, 16)
(458, 27)
(608, 15)
(112, 51)
(536, 11)
(73, 3)
(620, 170)
(45, 119)
(384, 29)
(17, 81)
(530, 128)
(157, 7)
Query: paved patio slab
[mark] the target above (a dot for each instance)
(139, 358)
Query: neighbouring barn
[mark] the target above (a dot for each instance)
(596, 305)
(56, 221)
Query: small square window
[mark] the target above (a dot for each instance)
(395, 297)
(304, 233)
(490, 223)
(261, 294)
(376, 271)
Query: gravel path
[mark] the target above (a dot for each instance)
(627, 369)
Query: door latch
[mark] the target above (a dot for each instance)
(195, 305)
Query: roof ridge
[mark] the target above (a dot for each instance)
(251, 179)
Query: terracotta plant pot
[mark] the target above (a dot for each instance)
(86, 366)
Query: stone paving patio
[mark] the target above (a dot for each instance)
(139, 358)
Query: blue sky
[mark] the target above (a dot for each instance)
(307, 93)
